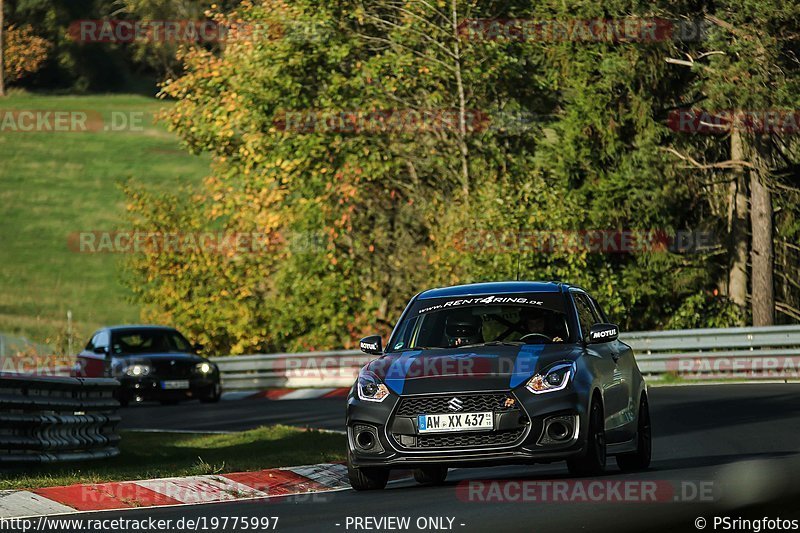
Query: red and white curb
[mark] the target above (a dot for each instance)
(173, 491)
(288, 394)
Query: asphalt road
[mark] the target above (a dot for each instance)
(235, 415)
(718, 450)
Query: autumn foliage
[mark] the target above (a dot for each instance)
(24, 52)
(362, 220)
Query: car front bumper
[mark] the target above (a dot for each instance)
(152, 388)
(527, 426)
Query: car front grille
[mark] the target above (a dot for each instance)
(470, 440)
(165, 368)
(496, 402)
(471, 403)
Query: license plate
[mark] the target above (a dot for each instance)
(455, 422)
(175, 385)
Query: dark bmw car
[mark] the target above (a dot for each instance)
(497, 373)
(151, 363)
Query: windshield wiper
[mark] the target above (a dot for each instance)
(504, 343)
(492, 343)
(427, 348)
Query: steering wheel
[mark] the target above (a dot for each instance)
(534, 335)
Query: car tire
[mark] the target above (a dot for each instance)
(430, 475)
(213, 396)
(640, 459)
(368, 478)
(592, 462)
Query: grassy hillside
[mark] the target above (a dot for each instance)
(54, 184)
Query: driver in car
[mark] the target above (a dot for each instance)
(463, 329)
(536, 323)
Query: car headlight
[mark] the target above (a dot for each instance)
(552, 379)
(204, 368)
(370, 388)
(137, 370)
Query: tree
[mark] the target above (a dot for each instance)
(311, 144)
(25, 52)
(2, 64)
(746, 72)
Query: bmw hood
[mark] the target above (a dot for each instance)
(467, 369)
(180, 357)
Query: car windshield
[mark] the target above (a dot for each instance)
(148, 341)
(473, 325)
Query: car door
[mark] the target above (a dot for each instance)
(90, 363)
(605, 358)
(625, 366)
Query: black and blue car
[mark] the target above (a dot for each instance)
(497, 373)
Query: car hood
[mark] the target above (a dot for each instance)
(155, 357)
(467, 369)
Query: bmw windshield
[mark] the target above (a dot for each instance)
(142, 341)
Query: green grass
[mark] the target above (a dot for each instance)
(54, 184)
(671, 378)
(157, 455)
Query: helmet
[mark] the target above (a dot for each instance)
(528, 316)
(463, 328)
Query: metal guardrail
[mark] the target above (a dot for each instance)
(719, 354)
(49, 419)
(695, 354)
(337, 368)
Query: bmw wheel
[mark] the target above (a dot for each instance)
(213, 395)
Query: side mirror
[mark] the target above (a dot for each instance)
(198, 347)
(102, 350)
(372, 345)
(602, 333)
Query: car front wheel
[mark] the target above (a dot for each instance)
(430, 475)
(367, 478)
(640, 459)
(213, 395)
(592, 461)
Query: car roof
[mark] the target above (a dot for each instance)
(137, 326)
(499, 287)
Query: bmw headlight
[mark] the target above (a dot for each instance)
(553, 378)
(370, 388)
(137, 370)
(204, 367)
